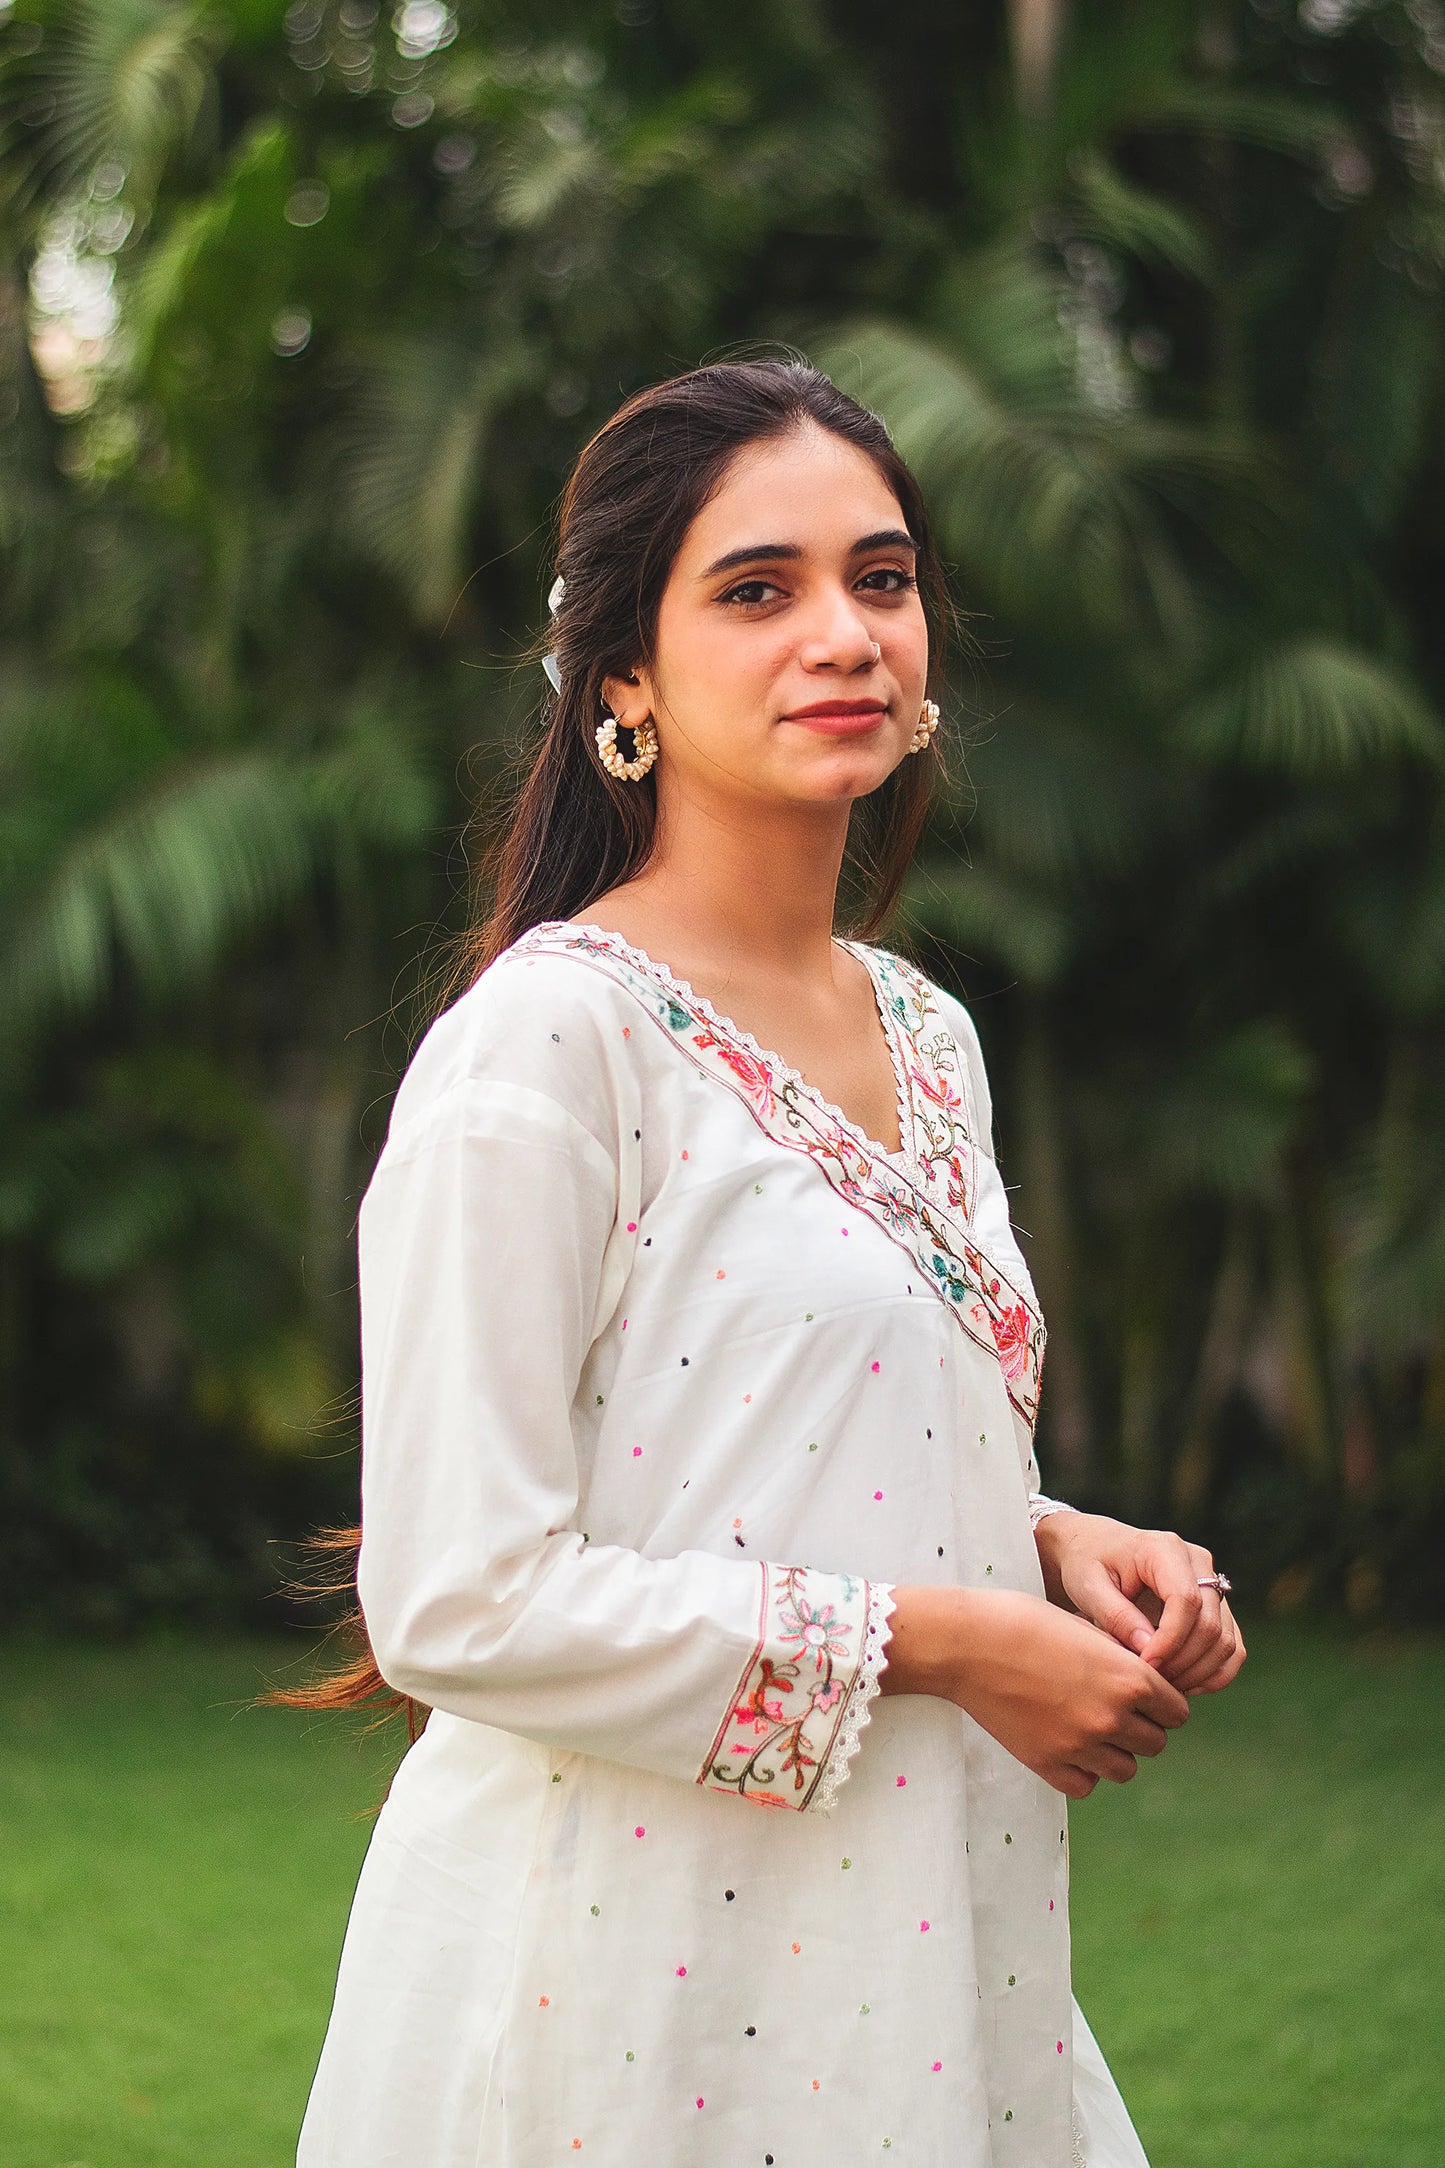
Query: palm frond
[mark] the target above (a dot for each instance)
(161, 888)
(1311, 707)
(980, 912)
(129, 80)
(409, 452)
(1138, 221)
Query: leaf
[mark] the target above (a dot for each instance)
(129, 79)
(407, 453)
(976, 909)
(1138, 221)
(1311, 707)
(162, 887)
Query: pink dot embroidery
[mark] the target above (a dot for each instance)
(737, 1523)
(796, 1947)
(817, 2083)
(639, 1831)
(923, 1927)
(1060, 2046)
(878, 1494)
(842, 1230)
(938, 2066)
(746, 1398)
(900, 1782)
(874, 1368)
(720, 1273)
(637, 1452)
(1051, 1904)
(632, 1227)
(624, 1324)
(682, 1975)
(627, 1034)
(684, 1155)
(699, 2099)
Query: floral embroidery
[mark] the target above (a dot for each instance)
(923, 1197)
(788, 1731)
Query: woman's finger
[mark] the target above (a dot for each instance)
(1189, 1627)
(1137, 1734)
(1113, 1762)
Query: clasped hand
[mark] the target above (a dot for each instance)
(1142, 1586)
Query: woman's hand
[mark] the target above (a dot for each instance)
(1065, 1699)
(1142, 1586)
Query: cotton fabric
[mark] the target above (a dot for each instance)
(670, 1375)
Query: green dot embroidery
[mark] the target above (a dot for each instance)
(757, 1189)
(807, 1317)
(556, 1776)
(983, 1437)
(847, 1863)
(599, 1400)
(1008, 2115)
(630, 2056)
(812, 1445)
(1011, 1980)
(988, 1569)
(1007, 1838)
(597, 1912)
(864, 2010)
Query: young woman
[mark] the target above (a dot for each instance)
(700, 1372)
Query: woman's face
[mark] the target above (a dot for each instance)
(792, 652)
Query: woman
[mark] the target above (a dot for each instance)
(700, 1368)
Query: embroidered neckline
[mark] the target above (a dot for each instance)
(923, 1199)
(767, 1057)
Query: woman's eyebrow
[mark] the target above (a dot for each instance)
(753, 553)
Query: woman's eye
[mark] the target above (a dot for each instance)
(750, 592)
(899, 580)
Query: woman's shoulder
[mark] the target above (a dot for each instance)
(534, 1021)
(902, 968)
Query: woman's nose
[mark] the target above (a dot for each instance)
(838, 637)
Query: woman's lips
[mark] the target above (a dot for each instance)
(842, 719)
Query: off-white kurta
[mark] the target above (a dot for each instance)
(670, 1374)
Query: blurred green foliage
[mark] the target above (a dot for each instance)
(304, 312)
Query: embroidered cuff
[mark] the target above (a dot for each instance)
(1040, 1507)
(793, 1724)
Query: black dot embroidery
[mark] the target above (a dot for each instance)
(751, 2031)
(940, 1550)
(556, 1038)
(647, 1242)
(739, 1542)
(684, 1362)
(729, 1894)
(928, 1434)
(637, 1132)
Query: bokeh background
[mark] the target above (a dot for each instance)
(304, 312)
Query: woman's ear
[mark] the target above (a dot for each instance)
(628, 697)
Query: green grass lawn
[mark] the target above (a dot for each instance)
(1257, 1918)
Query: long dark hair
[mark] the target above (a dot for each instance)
(569, 832)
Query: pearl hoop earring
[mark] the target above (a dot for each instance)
(928, 722)
(644, 738)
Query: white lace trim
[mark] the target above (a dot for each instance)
(773, 1062)
(872, 1663)
(1040, 1507)
(1078, 2158)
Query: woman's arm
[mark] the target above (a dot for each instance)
(1062, 1697)
(492, 1251)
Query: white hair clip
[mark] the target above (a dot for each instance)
(549, 661)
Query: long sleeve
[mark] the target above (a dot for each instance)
(992, 1210)
(494, 1243)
